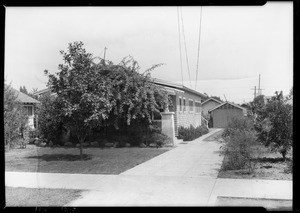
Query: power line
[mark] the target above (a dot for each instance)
(198, 48)
(186, 56)
(179, 45)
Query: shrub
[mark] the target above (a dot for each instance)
(50, 124)
(238, 123)
(191, 133)
(240, 142)
(159, 139)
(15, 120)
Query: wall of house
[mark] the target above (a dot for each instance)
(221, 116)
(209, 105)
(187, 117)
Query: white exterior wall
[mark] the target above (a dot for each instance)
(188, 117)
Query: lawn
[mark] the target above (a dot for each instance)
(269, 164)
(67, 160)
(269, 204)
(215, 137)
(39, 197)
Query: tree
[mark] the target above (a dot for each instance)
(91, 94)
(23, 90)
(50, 124)
(274, 124)
(15, 120)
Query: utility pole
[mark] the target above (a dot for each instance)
(254, 91)
(259, 89)
(104, 52)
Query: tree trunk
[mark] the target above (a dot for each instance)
(81, 149)
(283, 153)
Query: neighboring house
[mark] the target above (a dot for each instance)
(186, 104)
(29, 104)
(222, 114)
(210, 104)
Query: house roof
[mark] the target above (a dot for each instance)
(212, 99)
(23, 98)
(41, 91)
(159, 82)
(174, 85)
(232, 104)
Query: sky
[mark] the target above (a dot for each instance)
(237, 44)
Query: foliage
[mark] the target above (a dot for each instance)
(94, 94)
(240, 142)
(159, 139)
(238, 123)
(23, 90)
(191, 133)
(274, 124)
(50, 123)
(15, 120)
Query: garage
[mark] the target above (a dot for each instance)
(222, 114)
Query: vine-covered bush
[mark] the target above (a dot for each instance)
(191, 133)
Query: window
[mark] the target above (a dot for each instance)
(198, 107)
(180, 104)
(184, 105)
(191, 105)
(28, 110)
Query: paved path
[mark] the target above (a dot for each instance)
(183, 176)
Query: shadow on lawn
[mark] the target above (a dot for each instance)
(62, 157)
(271, 160)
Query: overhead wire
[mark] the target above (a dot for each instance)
(178, 21)
(199, 41)
(186, 56)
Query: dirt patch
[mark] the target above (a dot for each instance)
(269, 204)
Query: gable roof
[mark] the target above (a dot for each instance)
(232, 104)
(177, 86)
(212, 99)
(23, 98)
(159, 82)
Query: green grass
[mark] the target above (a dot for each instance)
(269, 204)
(39, 197)
(67, 160)
(215, 137)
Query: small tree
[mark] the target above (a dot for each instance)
(91, 94)
(15, 120)
(275, 124)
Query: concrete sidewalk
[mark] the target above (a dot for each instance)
(183, 176)
(137, 190)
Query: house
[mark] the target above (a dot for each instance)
(186, 104)
(209, 104)
(222, 114)
(29, 104)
